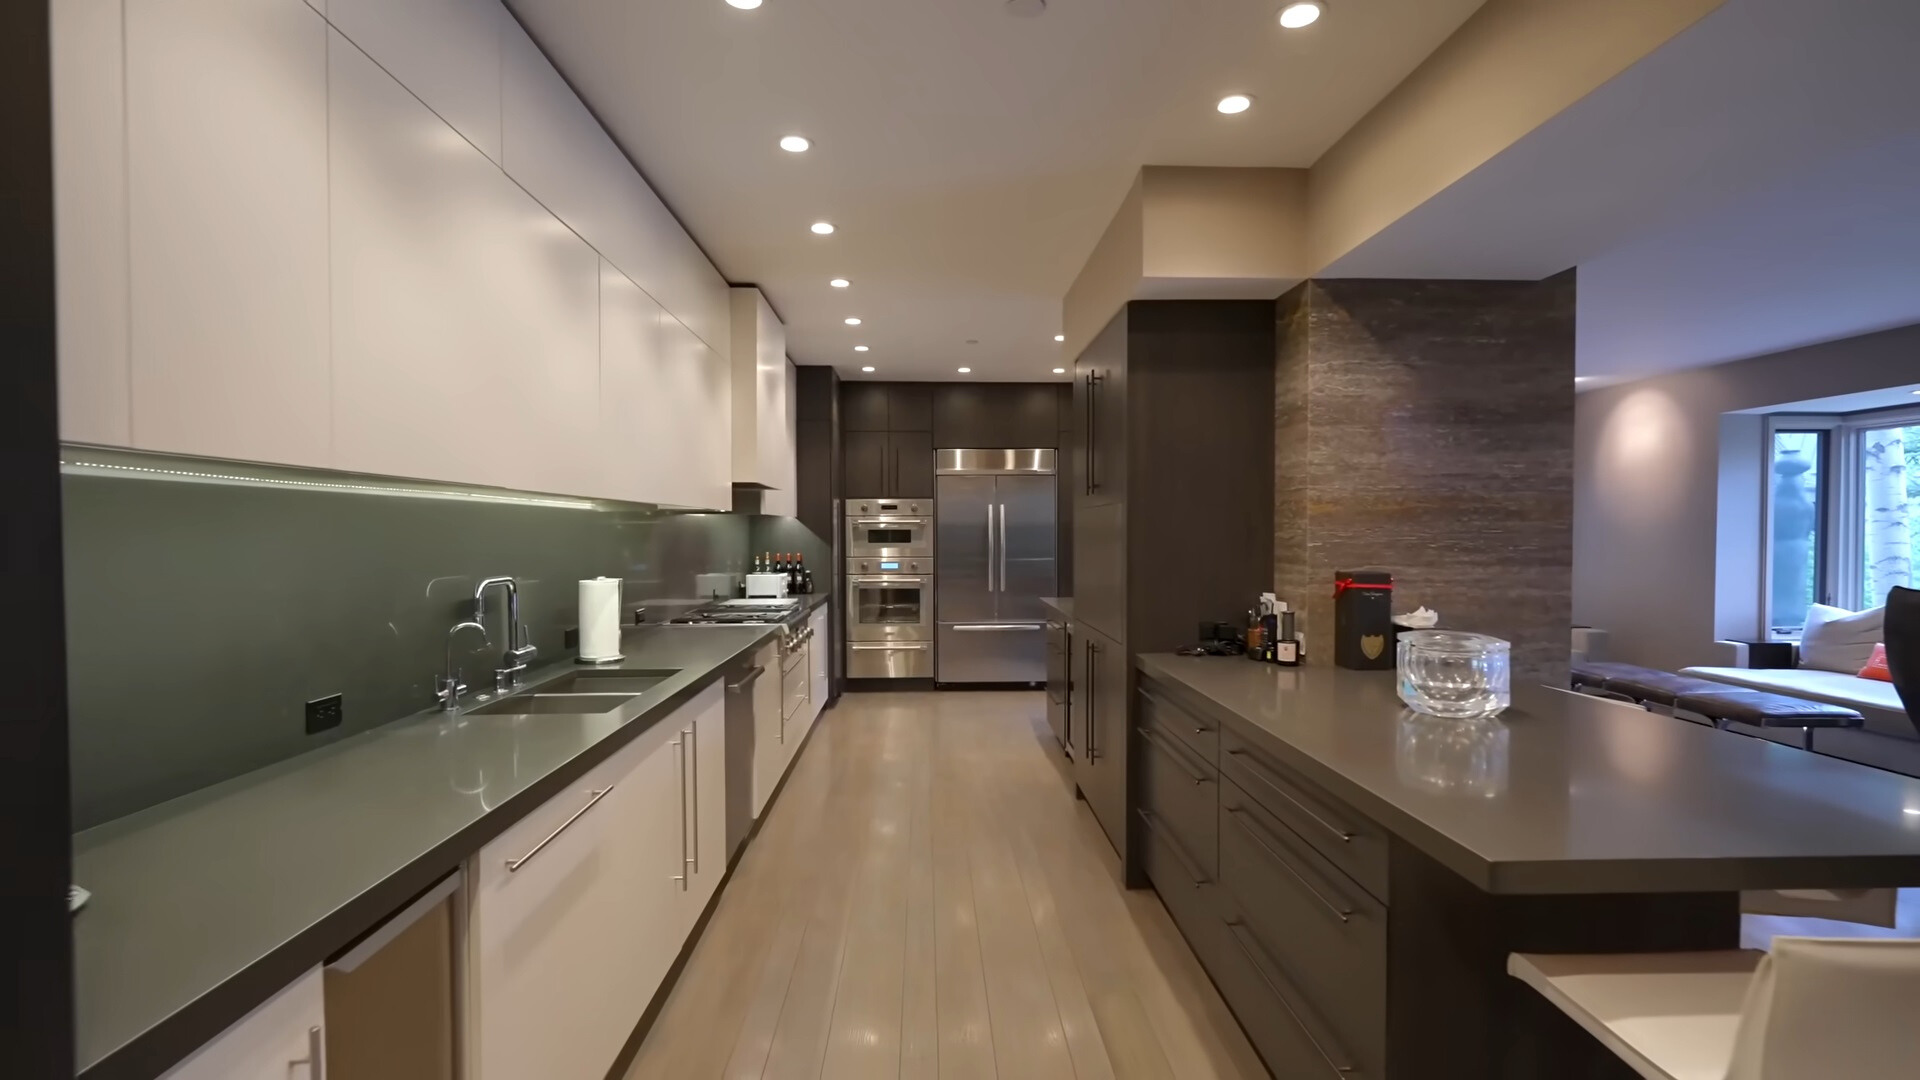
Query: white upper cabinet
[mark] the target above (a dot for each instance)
(763, 399)
(226, 129)
(90, 220)
(663, 404)
(446, 51)
(555, 148)
(466, 329)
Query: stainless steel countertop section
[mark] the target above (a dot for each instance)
(1059, 605)
(1566, 793)
(205, 906)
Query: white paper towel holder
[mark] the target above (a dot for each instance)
(600, 661)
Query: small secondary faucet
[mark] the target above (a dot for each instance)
(520, 652)
(449, 686)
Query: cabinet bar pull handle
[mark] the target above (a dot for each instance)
(1153, 739)
(515, 864)
(1198, 727)
(680, 750)
(1192, 868)
(1261, 774)
(1092, 696)
(316, 1059)
(693, 770)
(1251, 951)
(1252, 830)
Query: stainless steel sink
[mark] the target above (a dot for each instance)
(605, 682)
(581, 693)
(555, 704)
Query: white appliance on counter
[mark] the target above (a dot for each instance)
(766, 586)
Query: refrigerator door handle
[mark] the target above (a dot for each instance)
(1003, 547)
(990, 562)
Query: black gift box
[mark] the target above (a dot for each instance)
(1363, 619)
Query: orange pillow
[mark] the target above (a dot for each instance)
(1877, 665)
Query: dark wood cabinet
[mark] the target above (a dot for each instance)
(994, 415)
(864, 462)
(910, 407)
(913, 464)
(897, 464)
(1099, 706)
(1100, 416)
(863, 406)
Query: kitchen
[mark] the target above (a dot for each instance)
(430, 682)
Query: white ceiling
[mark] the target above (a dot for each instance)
(969, 157)
(1747, 188)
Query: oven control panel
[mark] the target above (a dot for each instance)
(889, 507)
(890, 566)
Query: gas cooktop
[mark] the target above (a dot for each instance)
(742, 612)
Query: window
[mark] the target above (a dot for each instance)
(1889, 460)
(1843, 512)
(1796, 567)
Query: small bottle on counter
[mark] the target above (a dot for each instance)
(1256, 635)
(806, 579)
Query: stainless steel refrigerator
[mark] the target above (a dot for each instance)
(995, 528)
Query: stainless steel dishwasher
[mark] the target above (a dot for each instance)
(741, 681)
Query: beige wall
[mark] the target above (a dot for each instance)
(1511, 67)
(1191, 233)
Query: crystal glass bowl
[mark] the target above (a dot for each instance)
(1454, 674)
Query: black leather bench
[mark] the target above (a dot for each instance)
(1640, 685)
(1757, 708)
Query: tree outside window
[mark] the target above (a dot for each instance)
(1890, 489)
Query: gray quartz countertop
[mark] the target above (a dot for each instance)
(205, 906)
(1566, 793)
(1059, 605)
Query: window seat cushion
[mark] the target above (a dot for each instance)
(1877, 701)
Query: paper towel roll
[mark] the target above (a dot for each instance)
(600, 618)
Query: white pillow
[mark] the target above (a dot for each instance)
(1836, 639)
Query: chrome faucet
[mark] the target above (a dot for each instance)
(520, 652)
(449, 686)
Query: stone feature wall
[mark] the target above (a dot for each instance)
(1426, 428)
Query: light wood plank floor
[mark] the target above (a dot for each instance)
(928, 900)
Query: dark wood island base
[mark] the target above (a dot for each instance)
(1353, 877)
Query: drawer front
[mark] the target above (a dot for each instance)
(1357, 846)
(1323, 934)
(1199, 733)
(1291, 1038)
(1183, 794)
(1192, 903)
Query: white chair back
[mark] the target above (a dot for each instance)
(1831, 1008)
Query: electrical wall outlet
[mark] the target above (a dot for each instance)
(323, 714)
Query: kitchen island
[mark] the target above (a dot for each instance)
(1353, 875)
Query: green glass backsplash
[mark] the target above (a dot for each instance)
(201, 617)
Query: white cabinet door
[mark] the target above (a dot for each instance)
(446, 51)
(763, 403)
(702, 723)
(782, 439)
(90, 219)
(554, 146)
(641, 408)
(707, 424)
(465, 317)
(566, 950)
(819, 648)
(226, 105)
(769, 731)
(273, 1042)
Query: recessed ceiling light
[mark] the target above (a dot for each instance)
(1235, 103)
(795, 144)
(1059, 337)
(744, 5)
(1295, 16)
(851, 321)
(1917, 391)
(966, 371)
(839, 283)
(823, 228)
(868, 368)
(1914, 810)
(1059, 371)
(859, 348)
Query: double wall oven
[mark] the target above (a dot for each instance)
(889, 589)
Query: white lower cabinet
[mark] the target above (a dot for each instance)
(769, 729)
(704, 730)
(578, 910)
(276, 1041)
(819, 649)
